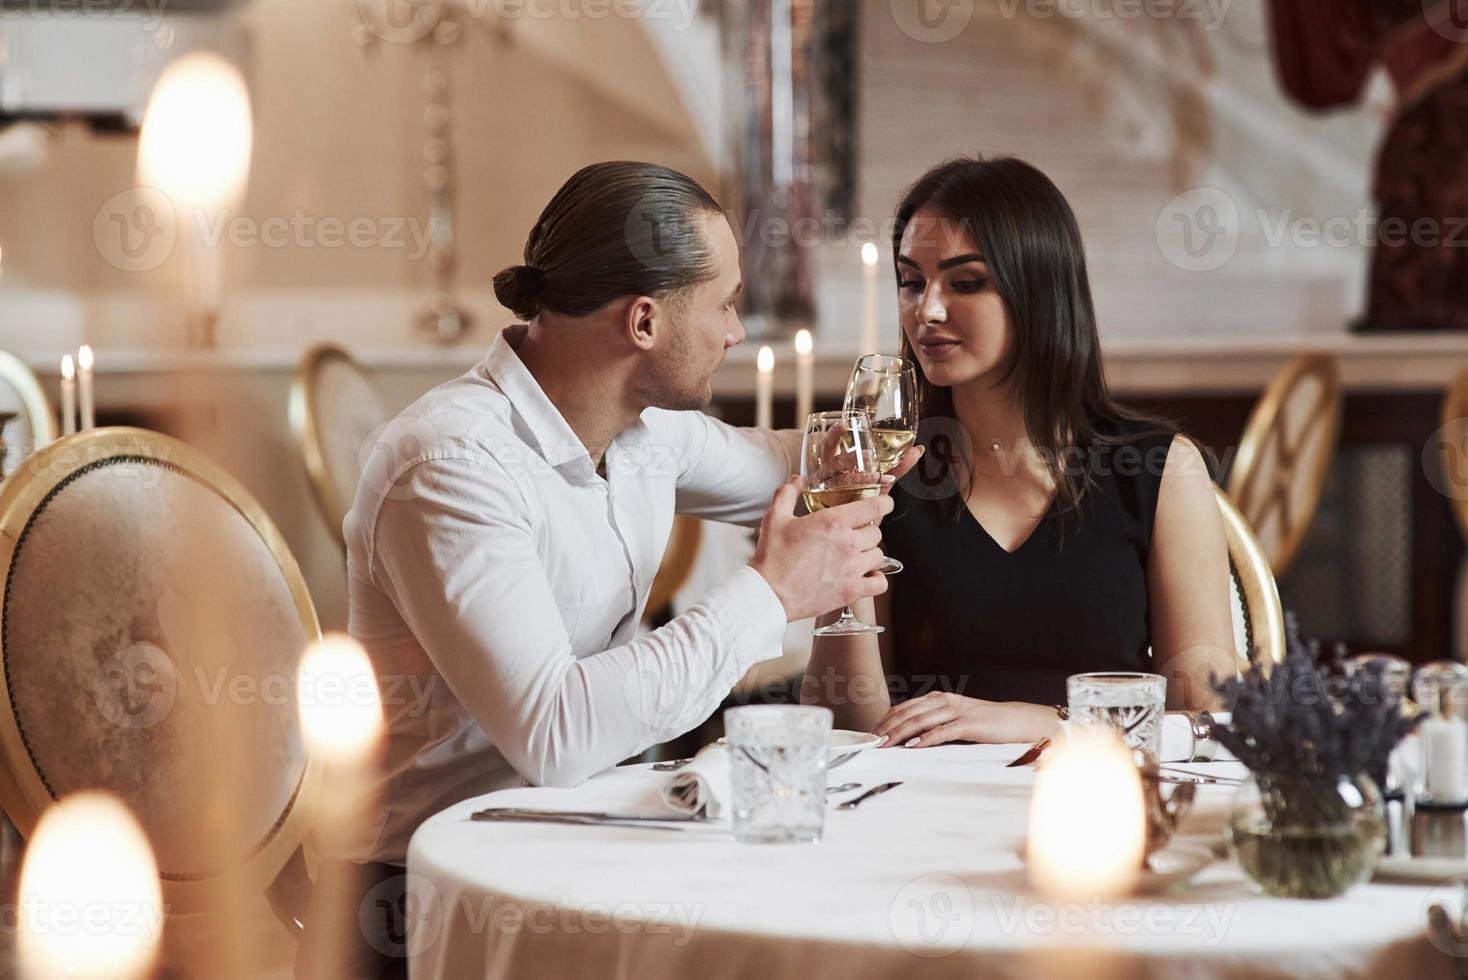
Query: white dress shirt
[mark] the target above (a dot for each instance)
(497, 582)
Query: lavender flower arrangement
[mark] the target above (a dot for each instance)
(1298, 720)
(1305, 827)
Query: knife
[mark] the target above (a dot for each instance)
(853, 804)
(583, 818)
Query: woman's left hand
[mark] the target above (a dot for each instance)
(942, 717)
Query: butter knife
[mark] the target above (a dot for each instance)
(853, 804)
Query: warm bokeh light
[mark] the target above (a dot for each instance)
(336, 691)
(68, 368)
(869, 254)
(803, 343)
(90, 904)
(197, 133)
(1087, 821)
(84, 358)
(765, 363)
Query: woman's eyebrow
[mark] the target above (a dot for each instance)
(960, 260)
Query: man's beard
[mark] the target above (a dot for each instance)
(671, 383)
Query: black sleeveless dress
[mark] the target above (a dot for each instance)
(970, 618)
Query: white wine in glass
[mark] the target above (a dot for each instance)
(885, 389)
(839, 465)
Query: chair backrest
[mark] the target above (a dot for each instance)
(152, 625)
(677, 564)
(31, 424)
(1258, 614)
(334, 410)
(1285, 455)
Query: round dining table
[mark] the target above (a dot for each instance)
(925, 880)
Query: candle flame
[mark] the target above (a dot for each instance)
(84, 358)
(336, 693)
(197, 133)
(1087, 821)
(68, 370)
(803, 343)
(90, 904)
(869, 254)
(766, 360)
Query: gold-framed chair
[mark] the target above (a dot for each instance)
(677, 566)
(152, 623)
(27, 422)
(334, 410)
(1257, 611)
(1452, 448)
(1285, 454)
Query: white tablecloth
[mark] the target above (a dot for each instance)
(923, 881)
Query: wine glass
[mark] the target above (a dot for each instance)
(838, 465)
(885, 388)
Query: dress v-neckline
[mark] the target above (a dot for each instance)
(1034, 530)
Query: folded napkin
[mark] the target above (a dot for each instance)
(702, 786)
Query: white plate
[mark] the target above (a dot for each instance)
(1429, 869)
(844, 745)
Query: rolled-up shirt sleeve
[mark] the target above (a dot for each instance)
(728, 474)
(454, 546)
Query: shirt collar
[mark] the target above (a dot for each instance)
(554, 439)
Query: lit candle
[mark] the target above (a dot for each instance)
(90, 904)
(195, 148)
(68, 396)
(84, 388)
(805, 377)
(764, 389)
(869, 305)
(1087, 822)
(341, 725)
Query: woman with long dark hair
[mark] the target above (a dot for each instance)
(1048, 530)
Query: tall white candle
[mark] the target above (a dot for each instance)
(869, 258)
(90, 860)
(764, 389)
(84, 388)
(1445, 759)
(1087, 822)
(341, 724)
(805, 377)
(68, 396)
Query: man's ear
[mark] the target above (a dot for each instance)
(643, 321)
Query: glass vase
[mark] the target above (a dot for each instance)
(1307, 837)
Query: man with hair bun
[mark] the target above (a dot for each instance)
(510, 522)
